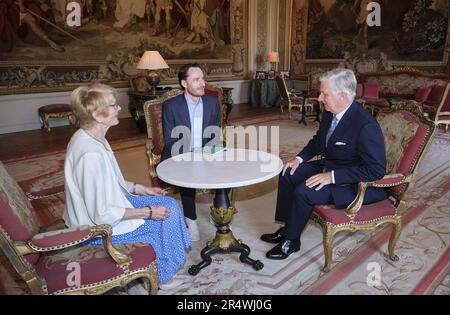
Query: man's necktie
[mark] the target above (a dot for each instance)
(331, 130)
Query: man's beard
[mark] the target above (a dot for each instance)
(197, 92)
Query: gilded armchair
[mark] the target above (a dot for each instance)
(407, 135)
(440, 112)
(55, 262)
(155, 142)
(292, 99)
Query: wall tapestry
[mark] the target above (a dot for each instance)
(411, 31)
(39, 52)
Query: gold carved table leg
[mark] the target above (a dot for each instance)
(224, 242)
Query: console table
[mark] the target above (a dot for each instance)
(264, 93)
(136, 102)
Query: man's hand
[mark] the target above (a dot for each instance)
(293, 164)
(320, 179)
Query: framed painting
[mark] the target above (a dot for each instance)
(260, 75)
(41, 50)
(410, 32)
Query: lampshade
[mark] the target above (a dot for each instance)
(152, 60)
(272, 56)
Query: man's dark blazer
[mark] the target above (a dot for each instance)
(355, 152)
(175, 112)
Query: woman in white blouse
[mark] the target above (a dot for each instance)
(97, 193)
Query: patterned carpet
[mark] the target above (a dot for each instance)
(423, 246)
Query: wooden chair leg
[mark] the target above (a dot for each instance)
(328, 235)
(395, 234)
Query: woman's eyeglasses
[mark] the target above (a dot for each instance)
(115, 106)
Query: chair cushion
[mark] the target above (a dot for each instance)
(54, 109)
(367, 212)
(61, 238)
(155, 116)
(359, 91)
(422, 94)
(371, 90)
(436, 94)
(96, 266)
(404, 136)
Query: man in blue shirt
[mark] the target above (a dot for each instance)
(185, 118)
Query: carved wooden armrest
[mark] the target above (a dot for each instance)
(390, 180)
(296, 94)
(149, 145)
(35, 195)
(65, 238)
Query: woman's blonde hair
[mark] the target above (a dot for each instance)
(91, 98)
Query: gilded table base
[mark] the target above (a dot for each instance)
(224, 242)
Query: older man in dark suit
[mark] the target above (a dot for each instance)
(351, 146)
(190, 120)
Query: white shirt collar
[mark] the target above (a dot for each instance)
(340, 114)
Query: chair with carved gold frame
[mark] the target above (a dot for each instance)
(155, 142)
(407, 134)
(440, 112)
(292, 99)
(55, 262)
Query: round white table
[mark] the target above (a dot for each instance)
(221, 171)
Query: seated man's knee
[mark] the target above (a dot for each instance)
(302, 191)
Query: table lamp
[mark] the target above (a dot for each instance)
(273, 58)
(151, 60)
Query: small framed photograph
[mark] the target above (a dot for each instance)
(271, 75)
(285, 75)
(260, 75)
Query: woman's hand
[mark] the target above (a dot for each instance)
(159, 212)
(154, 191)
(139, 189)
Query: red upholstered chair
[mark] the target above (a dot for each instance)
(55, 263)
(155, 143)
(292, 99)
(407, 135)
(440, 111)
(217, 92)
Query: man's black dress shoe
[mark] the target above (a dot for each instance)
(273, 238)
(284, 249)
